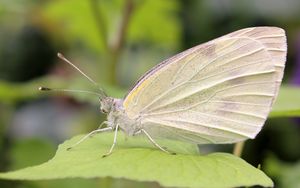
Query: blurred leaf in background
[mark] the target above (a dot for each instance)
(285, 174)
(98, 24)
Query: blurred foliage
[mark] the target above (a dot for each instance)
(285, 174)
(287, 103)
(81, 29)
(100, 35)
(35, 54)
(87, 32)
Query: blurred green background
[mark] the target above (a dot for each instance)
(115, 42)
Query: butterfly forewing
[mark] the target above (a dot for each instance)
(217, 92)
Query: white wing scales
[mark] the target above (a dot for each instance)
(217, 92)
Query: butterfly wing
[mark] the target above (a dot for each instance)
(218, 92)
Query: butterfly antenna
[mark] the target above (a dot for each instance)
(74, 66)
(59, 55)
(69, 90)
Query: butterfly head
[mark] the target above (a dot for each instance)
(109, 104)
(106, 104)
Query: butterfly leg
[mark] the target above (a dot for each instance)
(89, 135)
(114, 143)
(101, 125)
(156, 144)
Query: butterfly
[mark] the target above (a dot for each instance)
(215, 93)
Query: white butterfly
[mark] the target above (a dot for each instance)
(218, 92)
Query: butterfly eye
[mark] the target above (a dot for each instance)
(103, 110)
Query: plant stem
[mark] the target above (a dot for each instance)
(119, 40)
(100, 23)
(238, 149)
(113, 50)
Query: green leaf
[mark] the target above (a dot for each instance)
(11, 93)
(142, 27)
(76, 27)
(287, 103)
(135, 159)
(30, 152)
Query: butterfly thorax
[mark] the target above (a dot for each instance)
(117, 116)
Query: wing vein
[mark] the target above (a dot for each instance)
(173, 88)
(243, 113)
(210, 126)
(218, 83)
(270, 36)
(209, 100)
(226, 119)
